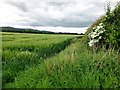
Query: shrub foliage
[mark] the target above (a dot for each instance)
(106, 32)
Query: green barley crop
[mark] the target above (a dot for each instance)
(21, 51)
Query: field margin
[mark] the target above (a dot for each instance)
(0, 59)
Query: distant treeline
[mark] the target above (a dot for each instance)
(19, 30)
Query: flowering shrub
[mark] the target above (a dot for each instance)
(96, 35)
(107, 32)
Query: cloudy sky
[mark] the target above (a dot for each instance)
(52, 15)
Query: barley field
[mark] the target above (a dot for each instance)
(21, 51)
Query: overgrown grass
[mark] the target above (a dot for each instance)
(75, 67)
(21, 51)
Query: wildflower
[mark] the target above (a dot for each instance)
(101, 32)
(101, 24)
(95, 35)
(98, 27)
(100, 37)
(93, 28)
(92, 42)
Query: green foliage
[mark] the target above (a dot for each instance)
(112, 26)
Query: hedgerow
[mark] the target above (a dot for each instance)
(106, 32)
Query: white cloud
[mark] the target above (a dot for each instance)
(9, 14)
(59, 14)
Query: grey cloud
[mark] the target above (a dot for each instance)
(63, 23)
(37, 14)
(20, 5)
(61, 5)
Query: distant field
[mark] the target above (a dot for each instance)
(21, 51)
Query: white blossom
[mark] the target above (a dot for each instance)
(92, 42)
(98, 27)
(95, 35)
(93, 27)
(101, 24)
(100, 37)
